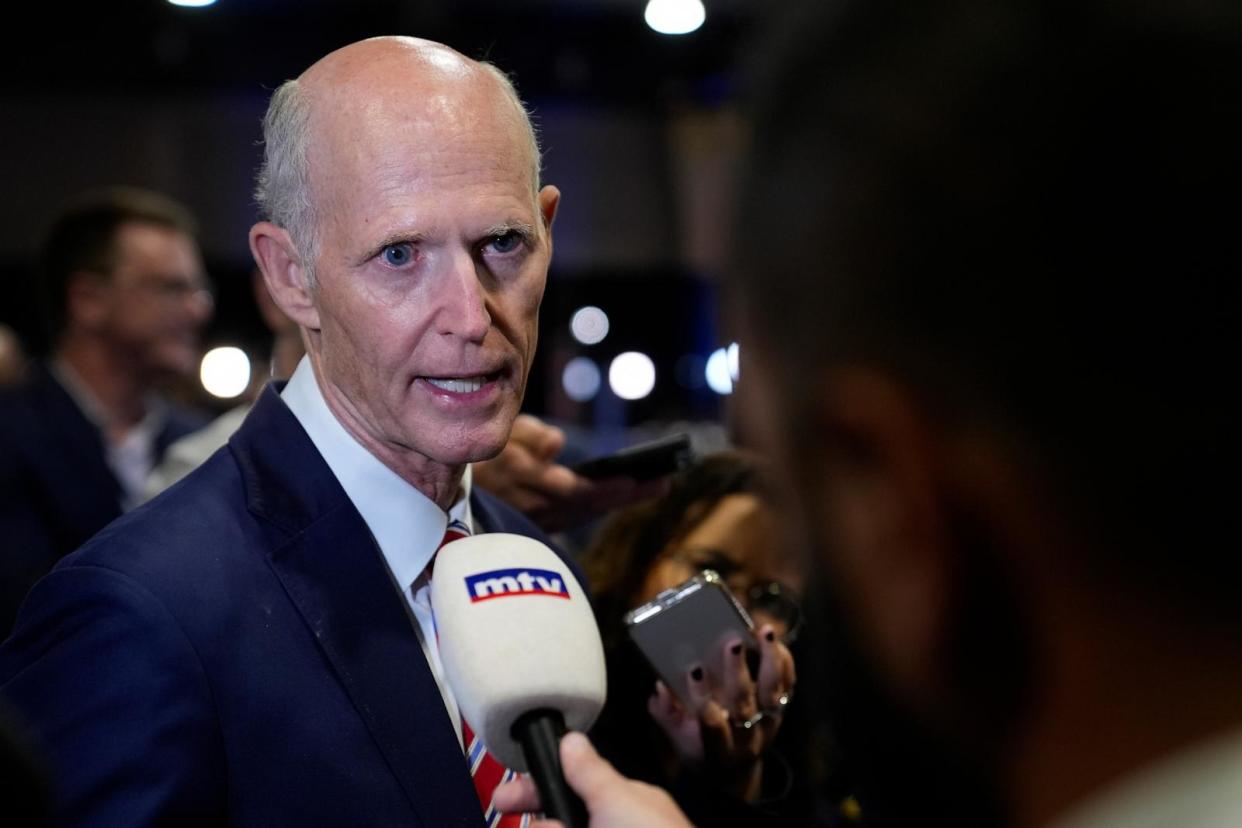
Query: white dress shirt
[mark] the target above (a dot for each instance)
(130, 457)
(407, 525)
(1200, 787)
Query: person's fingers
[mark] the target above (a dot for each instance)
(523, 464)
(775, 670)
(517, 796)
(737, 688)
(697, 691)
(665, 709)
(560, 481)
(551, 441)
(669, 698)
(505, 472)
(527, 481)
(716, 732)
(789, 670)
(586, 771)
(679, 718)
(769, 680)
(775, 683)
(542, 440)
(527, 501)
(610, 798)
(525, 430)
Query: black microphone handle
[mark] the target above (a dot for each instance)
(540, 733)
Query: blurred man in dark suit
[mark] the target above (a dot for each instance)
(127, 296)
(989, 295)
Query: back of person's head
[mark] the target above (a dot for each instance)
(987, 284)
(1029, 213)
(82, 238)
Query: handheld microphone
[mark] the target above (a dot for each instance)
(522, 653)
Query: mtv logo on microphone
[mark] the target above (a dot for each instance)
(502, 583)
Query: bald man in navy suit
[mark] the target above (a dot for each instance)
(255, 645)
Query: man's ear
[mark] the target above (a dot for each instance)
(882, 506)
(86, 304)
(283, 273)
(549, 200)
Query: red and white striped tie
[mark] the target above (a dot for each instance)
(486, 772)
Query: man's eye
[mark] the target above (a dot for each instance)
(398, 255)
(506, 242)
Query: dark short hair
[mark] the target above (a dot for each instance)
(82, 237)
(1029, 213)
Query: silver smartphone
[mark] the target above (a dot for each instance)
(687, 626)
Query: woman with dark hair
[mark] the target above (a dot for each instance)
(713, 751)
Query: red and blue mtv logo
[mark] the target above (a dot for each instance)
(502, 583)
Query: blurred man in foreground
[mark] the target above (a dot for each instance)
(127, 295)
(258, 639)
(989, 292)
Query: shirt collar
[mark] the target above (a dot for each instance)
(406, 524)
(1197, 786)
(86, 401)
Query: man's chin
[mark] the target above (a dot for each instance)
(457, 440)
(471, 449)
(178, 363)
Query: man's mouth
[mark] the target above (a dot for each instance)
(462, 385)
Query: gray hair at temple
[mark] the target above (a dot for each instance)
(282, 189)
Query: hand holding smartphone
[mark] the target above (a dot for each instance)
(725, 717)
(645, 461)
(687, 626)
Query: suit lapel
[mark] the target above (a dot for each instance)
(96, 501)
(335, 575)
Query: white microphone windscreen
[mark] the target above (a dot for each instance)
(516, 634)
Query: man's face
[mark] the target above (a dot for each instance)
(434, 252)
(156, 299)
(897, 755)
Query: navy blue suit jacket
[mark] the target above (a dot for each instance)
(236, 651)
(56, 489)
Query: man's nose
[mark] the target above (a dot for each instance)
(200, 304)
(463, 301)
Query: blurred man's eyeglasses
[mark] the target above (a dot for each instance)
(177, 290)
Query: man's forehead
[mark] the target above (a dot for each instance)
(389, 117)
(441, 202)
(389, 102)
(147, 245)
(383, 160)
(147, 237)
(388, 146)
